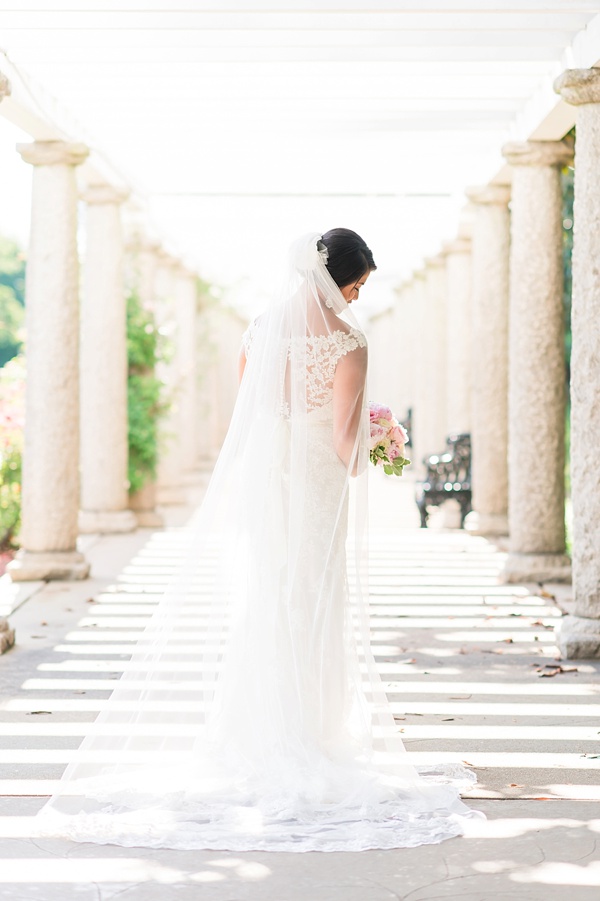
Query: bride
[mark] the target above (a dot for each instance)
(251, 715)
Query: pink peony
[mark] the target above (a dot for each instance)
(378, 434)
(398, 435)
(378, 411)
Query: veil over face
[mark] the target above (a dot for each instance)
(251, 714)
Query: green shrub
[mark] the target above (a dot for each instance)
(146, 403)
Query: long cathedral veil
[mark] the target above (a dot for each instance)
(251, 714)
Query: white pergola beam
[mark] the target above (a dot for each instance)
(278, 20)
(309, 40)
(315, 6)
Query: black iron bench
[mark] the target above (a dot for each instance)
(448, 476)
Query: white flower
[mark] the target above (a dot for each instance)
(323, 253)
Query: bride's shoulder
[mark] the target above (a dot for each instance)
(350, 337)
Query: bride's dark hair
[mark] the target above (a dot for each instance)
(349, 257)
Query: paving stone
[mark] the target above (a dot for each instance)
(463, 658)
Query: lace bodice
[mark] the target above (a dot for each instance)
(323, 354)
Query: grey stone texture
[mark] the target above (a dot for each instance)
(104, 447)
(582, 88)
(536, 363)
(489, 349)
(51, 454)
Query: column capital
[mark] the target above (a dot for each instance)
(538, 153)
(577, 86)
(458, 245)
(104, 193)
(435, 261)
(489, 194)
(5, 86)
(167, 260)
(53, 153)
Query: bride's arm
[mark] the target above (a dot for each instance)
(348, 394)
(241, 362)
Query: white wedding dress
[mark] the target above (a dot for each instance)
(252, 716)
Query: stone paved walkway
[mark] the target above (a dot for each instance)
(469, 664)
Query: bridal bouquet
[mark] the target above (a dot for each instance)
(387, 440)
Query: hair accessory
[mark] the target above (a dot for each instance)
(322, 250)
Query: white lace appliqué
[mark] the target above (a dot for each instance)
(323, 352)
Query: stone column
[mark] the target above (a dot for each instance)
(404, 335)
(104, 447)
(7, 635)
(489, 353)
(436, 354)
(186, 304)
(170, 489)
(580, 630)
(51, 453)
(536, 446)
(5, 87)
(458, 335)
(421, 437)
(143, 502)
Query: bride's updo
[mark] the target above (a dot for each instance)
(348, 257)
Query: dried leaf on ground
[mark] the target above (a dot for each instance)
(554, 669)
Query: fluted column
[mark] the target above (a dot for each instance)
(104, 447)
(580, 631)
(51, 454)
(489, 355)
(458, 335)
(536, 446)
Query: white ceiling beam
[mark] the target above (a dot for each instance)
(193, 64)
(198, 87)
(309, 39)
(357, 55)
(210, 103)
(315, 6)
(175, 19)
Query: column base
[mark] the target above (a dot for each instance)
(101, 521)
(149, 519)
(487, 524)
(29, 566)
(451, 518)
(579, 637)
(7, 635)
(537, 568)
(173, 494)
(142, 504)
